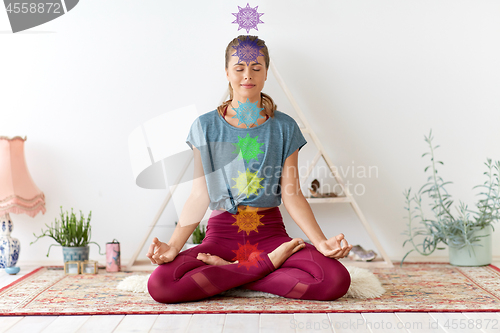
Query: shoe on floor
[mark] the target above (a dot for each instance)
(357, 253)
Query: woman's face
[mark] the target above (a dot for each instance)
(247, 81)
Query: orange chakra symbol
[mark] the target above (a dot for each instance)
(247, 219)
(247, 255)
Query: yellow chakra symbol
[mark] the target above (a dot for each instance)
(247, 182)
(247, 219)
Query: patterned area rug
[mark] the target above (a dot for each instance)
(422, 287)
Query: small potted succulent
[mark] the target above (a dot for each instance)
(467, 233)
(72, 234)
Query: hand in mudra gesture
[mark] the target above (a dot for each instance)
(160, 253)
(335, 247)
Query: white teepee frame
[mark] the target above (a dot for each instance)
(141, 265)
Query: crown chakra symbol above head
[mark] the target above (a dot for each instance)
(247, 18)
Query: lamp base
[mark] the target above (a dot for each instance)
(12, 270)
(9, 246)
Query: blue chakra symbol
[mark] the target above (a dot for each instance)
(248, 113)
(247, 50)
(247, 18)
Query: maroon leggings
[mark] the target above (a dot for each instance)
(248, 237)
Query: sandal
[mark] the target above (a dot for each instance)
(357, 253)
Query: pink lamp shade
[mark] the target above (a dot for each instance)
(18, 192)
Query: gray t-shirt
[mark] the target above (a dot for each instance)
(244, 165)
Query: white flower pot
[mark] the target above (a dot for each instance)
(474, 255)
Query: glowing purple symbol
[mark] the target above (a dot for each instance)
(247, 50)
(247, 18)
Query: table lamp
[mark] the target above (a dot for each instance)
(18, 194)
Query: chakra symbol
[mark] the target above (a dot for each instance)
(247, 182)
(247, 255)
(247, 219)
(247, 18)
(248, 113)
(247, 50)
(248, 147)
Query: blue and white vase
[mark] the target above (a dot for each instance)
(9, 247)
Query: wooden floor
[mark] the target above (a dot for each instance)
(242, 323)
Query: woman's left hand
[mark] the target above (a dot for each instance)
(333, 248)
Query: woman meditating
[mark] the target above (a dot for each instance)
(245, 164)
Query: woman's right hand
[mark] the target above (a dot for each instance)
(160, 253)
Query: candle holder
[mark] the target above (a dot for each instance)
(72, 267)
(89, 267)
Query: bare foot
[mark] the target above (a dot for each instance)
(285, 250)
(212, 259)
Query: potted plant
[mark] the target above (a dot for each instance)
(72, 234)
(467, 233)
(197, 236)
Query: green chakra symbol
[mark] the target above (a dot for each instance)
(247, 182)
(248, 148)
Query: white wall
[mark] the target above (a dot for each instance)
(373, 77)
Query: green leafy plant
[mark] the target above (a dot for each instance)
(198, 234)
(457, 231)
(69, 232)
